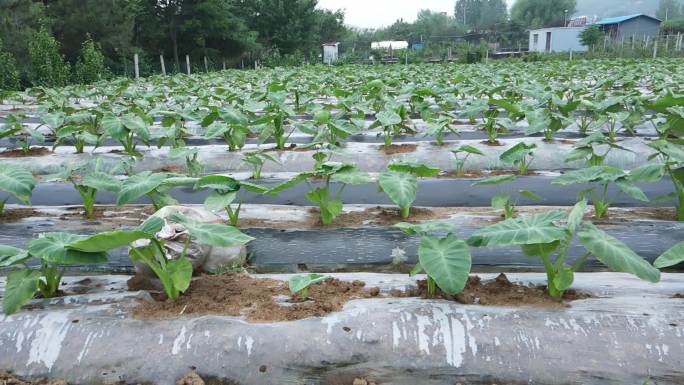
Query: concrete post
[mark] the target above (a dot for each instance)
(163, 67)
(187, 63)
(206, 65)
(135, 64)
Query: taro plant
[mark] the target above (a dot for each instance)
(599, 178)
(155, 186)
(520, 155)
(587, 149)
(393, 123)
(400, 183)
(51, 250)
(256, 160)
(224, 192)
(467, 151)
(274, 121)
(17, 181)
(88, 179)
(445, 259)
(228, 123)
(543, 236)
(301, 283)
(673, 256)
(545, 121)
(175, 274)
(440, 126)
(80, 129)
(341, 173)
(14, 128)
(126, 129)
(189, 155)
(503, 200)
(672, 163)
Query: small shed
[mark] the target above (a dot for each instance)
(330, 52)
(557, 39)
(637, 26)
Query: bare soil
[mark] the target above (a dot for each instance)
(19, 153)
(171, 169)
(498, 292)
(7, 378)
(496, 143)
(15, 215)
(399, 148)
(236, 294)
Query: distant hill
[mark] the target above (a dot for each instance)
(611, 8)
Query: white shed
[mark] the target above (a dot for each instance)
(330, 52)
(559, 39)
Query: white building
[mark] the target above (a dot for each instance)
(558, 39)
(330, 52)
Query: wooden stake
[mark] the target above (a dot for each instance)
(135, 64)
(206, 66)
(187, 63)
(224, 64)
(163, 67)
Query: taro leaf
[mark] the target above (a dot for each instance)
(181, 153)
(417, 269)
(135, 124)
(17, 181)
(589, 174)
(673, 151)
(12, 256)
(400, 187)
(615, 254)
(664, 102)
(469, 149)
(525, 230)
(53, 120)
(322, 117)
(218, 182)
(212, 234)
(495, 180)
(180, 273)
(673, 256)
(631, 190)
(517, 152)
(104, 242)
(21, 287)
(388, 118)
(330, 210)
(52, 248)
(253, 187)
(576, 215)
(447, 260)
(300, 282)
(101, 181)
(500, 201)
(649, 173)
(138, 185)
(151, 226)
(216, 129)
(540, 249)
(113, 126)
(217, 201)
(425, 228)
(531, 196)
(417, 169)
(290, 183)
(352, 176)
(563, 278)
(578, 154)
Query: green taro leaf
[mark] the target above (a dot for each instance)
(425, 228)
(12, 256)
(540, 249)
(53, 248)
(649, 173)
(301, 282)
(104, 242)
(525, 230)
(468, 149)
(615, 254)
(101, 181)
(218, 182)
(352, 176)
(180, 273)
(388, 118)
(417, 169)
(400, 187)
(217, 201)
(17, 181)
(447, 260)
(21, 287)
(212, 234)
(673, 256)
(631, 190)
(495, 180)
(576, 216)
(137, 185)
(151, 226)
(517, 152)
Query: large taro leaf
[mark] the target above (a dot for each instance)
(301, 282)
(388, 118)
(218, 182)
(589, 174)
(615, 254)
(212, 234)
(138, 185)
(352, 176)
(517, 152)
(180, 273)
(218, 201)
(673, 256)
(104, 242)
(425, 228)
(101, 181)
(400, 187)
(21, 287)
(12, 255)
(17, 181)
(417, 169)
(53, 248)
(447, 260)
(526, 230)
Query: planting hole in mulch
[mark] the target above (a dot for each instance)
(171, 169)
(19, 153)
(15, 215)
(259, 300)
(399, 148)
(495, 143)
(498, 292)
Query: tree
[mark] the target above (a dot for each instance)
(90, 66)
(537, 13)
(48, 67)
(9, 76)
(480, 14)
(590, 36)
(673, 26)
(669, 9)
(434, 24)
(19, 21)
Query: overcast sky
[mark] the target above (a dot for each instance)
(379, 13)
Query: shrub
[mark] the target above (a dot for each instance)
(48, 67)
(9, 76)
(90, 66)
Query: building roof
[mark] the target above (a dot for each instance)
(622, 19)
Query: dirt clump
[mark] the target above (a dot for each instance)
(482, 174)
(7, 378)
(171, 169)
(191, 378)
(19, 153)
(259, 300)
(678, 295)
(383, 216)
(15, 215)
(399, 148)
(497, 292)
